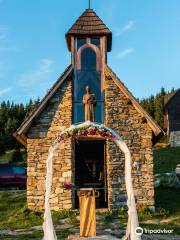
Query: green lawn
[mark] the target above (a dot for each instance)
(61, 235)
(167, 213)
(166, 159)
(168, 199)
(15, 215)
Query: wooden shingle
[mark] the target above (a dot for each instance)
(89, 24)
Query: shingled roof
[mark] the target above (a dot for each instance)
(89, 24)
(169, 97)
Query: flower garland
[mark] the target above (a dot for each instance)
(87, 129)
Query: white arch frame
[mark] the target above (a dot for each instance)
(48, 228)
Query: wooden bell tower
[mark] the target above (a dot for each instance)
(88, 40)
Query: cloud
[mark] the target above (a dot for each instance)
(39, 75)
(126, 28)
(125, 53)
(5, 90)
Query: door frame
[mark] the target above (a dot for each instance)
(91, 139)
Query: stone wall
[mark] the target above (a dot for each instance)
(54, 118)
(121, 116)
(174, 139)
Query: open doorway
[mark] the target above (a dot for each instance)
(90, 169)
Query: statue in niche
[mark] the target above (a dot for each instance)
(89, 101)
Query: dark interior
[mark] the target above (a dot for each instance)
(90, 170)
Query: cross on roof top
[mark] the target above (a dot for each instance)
(89, 4)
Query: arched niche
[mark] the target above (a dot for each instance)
(92, 50)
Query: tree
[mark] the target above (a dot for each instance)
(154, 105)
(11, 116)
(16, 156)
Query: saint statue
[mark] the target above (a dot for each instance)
(89, 101)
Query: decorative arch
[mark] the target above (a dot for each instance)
(95, 49)
(89, 129)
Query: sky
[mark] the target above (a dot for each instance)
(33, 53)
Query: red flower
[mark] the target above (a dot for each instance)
(68, 186)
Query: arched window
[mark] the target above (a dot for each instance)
(88, 59)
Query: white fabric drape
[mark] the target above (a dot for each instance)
(132, 212)
(48, 228)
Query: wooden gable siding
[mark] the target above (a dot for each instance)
(173, 109)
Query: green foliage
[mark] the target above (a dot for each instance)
(11, 117)
(11, 157)
(109, 215)
(64, 214)
(144, 214)
(16, 156)
(166, 159)
(154, 105)
(162, 212)
(123, 212)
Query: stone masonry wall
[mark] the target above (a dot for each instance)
(121, 116)
(55, 117)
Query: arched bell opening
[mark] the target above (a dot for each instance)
(88, 58)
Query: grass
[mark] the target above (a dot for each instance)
(167, 210)
(169, 199)
(166, 159)
(61, 235)
(15, 215)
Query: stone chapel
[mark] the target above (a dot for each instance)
(89, 163)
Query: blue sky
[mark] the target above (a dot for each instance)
(33, 52)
